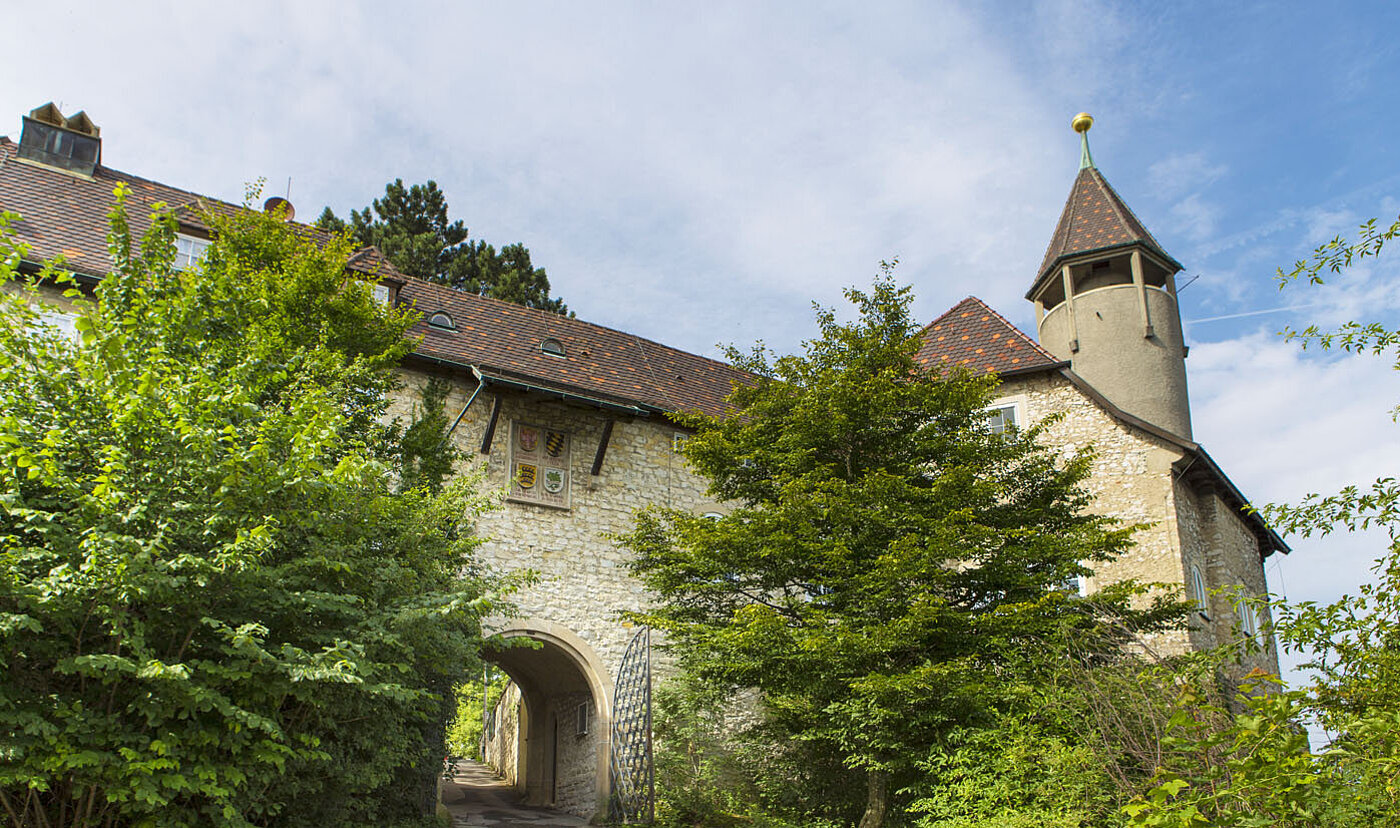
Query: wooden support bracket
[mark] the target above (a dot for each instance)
(491, 426)
(602, 448)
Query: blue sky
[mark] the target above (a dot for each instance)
(699, 174)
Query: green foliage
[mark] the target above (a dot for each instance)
(1017, 772)
(889, 562)
(1248, 764)
(717, 764)
(425, 458)
(464, 729)
(215, 607)
(411, 227)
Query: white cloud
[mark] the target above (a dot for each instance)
(1194, 217)
(1182, 173)
(1284, 424)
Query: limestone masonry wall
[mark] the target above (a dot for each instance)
(1132, 479)
(583, 583)
(503, 737)
(577, 754)
(581, 569)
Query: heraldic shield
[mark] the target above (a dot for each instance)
(539, 465)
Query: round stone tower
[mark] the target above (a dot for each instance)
(1105, 301)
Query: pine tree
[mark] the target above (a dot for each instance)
(411, 226)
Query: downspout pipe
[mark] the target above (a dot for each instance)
(480, 384)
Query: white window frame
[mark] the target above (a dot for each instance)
(1198, 592)
(383, 294)
(1016, 403)
(189, 250)
(1244, 614)
(66, 323)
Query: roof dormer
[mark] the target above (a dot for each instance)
(72, 144)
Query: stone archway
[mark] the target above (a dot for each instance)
(560, 719)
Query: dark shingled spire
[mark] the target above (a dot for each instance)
(1095, 218)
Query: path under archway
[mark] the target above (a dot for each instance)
(551, 739)
(477, 797)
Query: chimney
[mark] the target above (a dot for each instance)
(71, 144)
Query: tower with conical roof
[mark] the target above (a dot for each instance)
(1105, 301)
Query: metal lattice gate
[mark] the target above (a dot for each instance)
(633, 787)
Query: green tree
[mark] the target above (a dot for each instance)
(889, 562)
(411, 227)
(1264, 773)
(217, 605)
(472, 697)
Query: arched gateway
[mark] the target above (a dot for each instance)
(549, 734)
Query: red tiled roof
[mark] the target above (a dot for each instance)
(1094, 218)
(973, 336)
(371, 261)
(65, 214)
(501, 335)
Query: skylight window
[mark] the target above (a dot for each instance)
(73, 146)
(553, 347)
(442, 321)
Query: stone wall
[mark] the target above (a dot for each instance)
(1132, 479)
(576, 754)
(503, 737)
(583, 583)
(1228, 557)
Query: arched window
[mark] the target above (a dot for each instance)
(1248, 626)
(441, 320)
(553, 347)
(1198, 592)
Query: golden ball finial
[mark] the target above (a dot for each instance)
(1082, 122)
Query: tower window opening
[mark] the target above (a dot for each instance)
(1247, 623)
(1054, 294)
(1102, 273)
(581, 720)
(1153, 274)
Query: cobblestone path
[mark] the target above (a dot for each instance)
(477, 798)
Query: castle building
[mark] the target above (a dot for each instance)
(573, 422)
